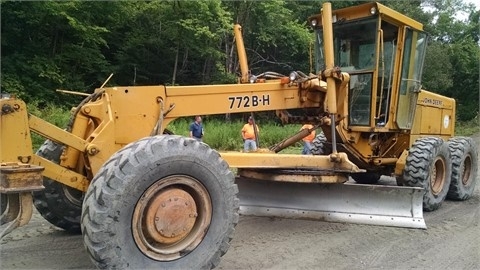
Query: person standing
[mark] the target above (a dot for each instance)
(307, 141)
(196, 128)
(248, 135)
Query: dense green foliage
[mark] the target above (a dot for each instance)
(227, 136)
(50, 113)
(75, 45)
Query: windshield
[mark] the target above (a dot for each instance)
(354, 45)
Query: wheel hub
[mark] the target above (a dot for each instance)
(466, 170)
(173, 213)
(437, 176)
(171, 218)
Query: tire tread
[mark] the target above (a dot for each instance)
(417, 169)
(459, 148)
(107, 178)
(319, 145)
(51, 202)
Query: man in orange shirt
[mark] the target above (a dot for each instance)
(307, 141)
(248, 135)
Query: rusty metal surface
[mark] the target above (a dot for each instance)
(171, 218)
(18, 177)
(299, 176)
(18, 212)
(466, 169)
(260, 160)
(437, 179)
(291, 140)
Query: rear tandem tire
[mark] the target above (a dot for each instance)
(429, 166)
(138, 210)
(464, 155)
(319, 145)
(57, 203)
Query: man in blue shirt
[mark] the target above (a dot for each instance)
(196, 128)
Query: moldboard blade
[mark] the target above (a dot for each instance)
(351, 203)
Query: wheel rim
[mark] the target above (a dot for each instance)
(75, 196)
(466, 169)
(171, 218)
(437, 178)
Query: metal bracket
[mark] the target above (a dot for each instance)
(17, 213)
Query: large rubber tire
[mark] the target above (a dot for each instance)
(57, 203)
(464, 155)
(319, 145)
(112, 233)
(3, 203)
(429, 166)
(366, 178)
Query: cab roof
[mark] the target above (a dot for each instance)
(365, 11)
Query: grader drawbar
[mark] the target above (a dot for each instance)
(145, 198)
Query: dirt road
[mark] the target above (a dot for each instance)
(452, 241)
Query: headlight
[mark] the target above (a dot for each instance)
(373, 10)
(314, 22)
(253, 79)
(292, 76)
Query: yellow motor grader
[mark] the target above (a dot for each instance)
(145, 198)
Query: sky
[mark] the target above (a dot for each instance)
(462, 15)
(475, 2)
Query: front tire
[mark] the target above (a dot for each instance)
(428, 165)
(162, 202)
(57, 203)
(464, 168)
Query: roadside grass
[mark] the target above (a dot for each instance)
(467, 128)
(51, 113)
(221, 135)
(292, 150)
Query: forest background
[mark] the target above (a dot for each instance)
(76, 45)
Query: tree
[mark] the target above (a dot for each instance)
(50, 45)
(173, 41)
(275, 38)
(76, 44)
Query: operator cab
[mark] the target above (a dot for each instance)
(384, 78)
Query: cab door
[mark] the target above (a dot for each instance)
(410, 76)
